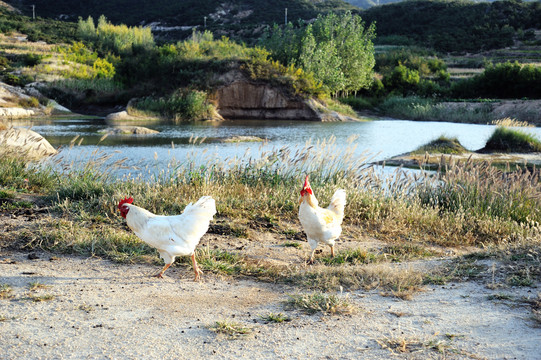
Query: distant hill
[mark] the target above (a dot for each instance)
(453, 25)
(182, 12)
(365, 4)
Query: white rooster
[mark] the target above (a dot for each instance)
(171, 235)
(321, 225)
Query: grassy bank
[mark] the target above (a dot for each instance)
(467, 205)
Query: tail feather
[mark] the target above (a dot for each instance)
(338, 202)
(205, 204)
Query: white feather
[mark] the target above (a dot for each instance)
(173, 235)
(322, 225)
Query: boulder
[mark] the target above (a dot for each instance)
(128, 130)
(237, 139)
(15, 113)
(25, 142)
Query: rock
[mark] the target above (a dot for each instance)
(25, 142)
(236, 139)
(240, 98)
(128, 130)
(15, 113)
(123, 115)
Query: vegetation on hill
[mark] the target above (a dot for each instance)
(233, 15)
(37, 30)
(455, 25)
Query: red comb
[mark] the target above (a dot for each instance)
(124, 201)
(306, 186)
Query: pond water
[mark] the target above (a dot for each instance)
(382, 138)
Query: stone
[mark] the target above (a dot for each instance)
(25, 142)
(128, 130)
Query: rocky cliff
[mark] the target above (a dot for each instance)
(241, 98)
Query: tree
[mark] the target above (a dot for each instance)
(337, 49)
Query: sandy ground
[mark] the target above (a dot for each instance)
(104, 310)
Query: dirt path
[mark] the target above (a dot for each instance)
(103, 310)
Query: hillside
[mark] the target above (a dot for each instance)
(365, 4)
(433, 23)
(181, 13)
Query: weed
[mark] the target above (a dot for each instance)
(5, 291)
(37, 285)
(292, 244)
(40, 298)
(276, 318)
(86, 308)
(320, 302)
(500, 296)
(231, 329)
(520, 277)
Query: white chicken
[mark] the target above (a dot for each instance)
(171, 235)
(321, 225)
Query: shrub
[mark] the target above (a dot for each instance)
(31, 102)
(184, 105)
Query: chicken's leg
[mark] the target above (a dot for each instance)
(160, 274)
(332, 250)
(311, 261)
(196, 268)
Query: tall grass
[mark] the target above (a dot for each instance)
(463, 205)
(417, 108)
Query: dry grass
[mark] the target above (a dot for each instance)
(510, 122)
(6, 292)
(467, 204)
(35, 285)
(231, 329)
(319, 302)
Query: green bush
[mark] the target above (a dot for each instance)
(31, 102)
(32, 59)
(505, 81)
(183, 105)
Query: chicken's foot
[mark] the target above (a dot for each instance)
(196, 268)
(160, 274)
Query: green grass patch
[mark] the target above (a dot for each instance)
(275, 318)
(320, 302)
(296, 245)
(510, 140)
(231, 329)
(443, 145)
